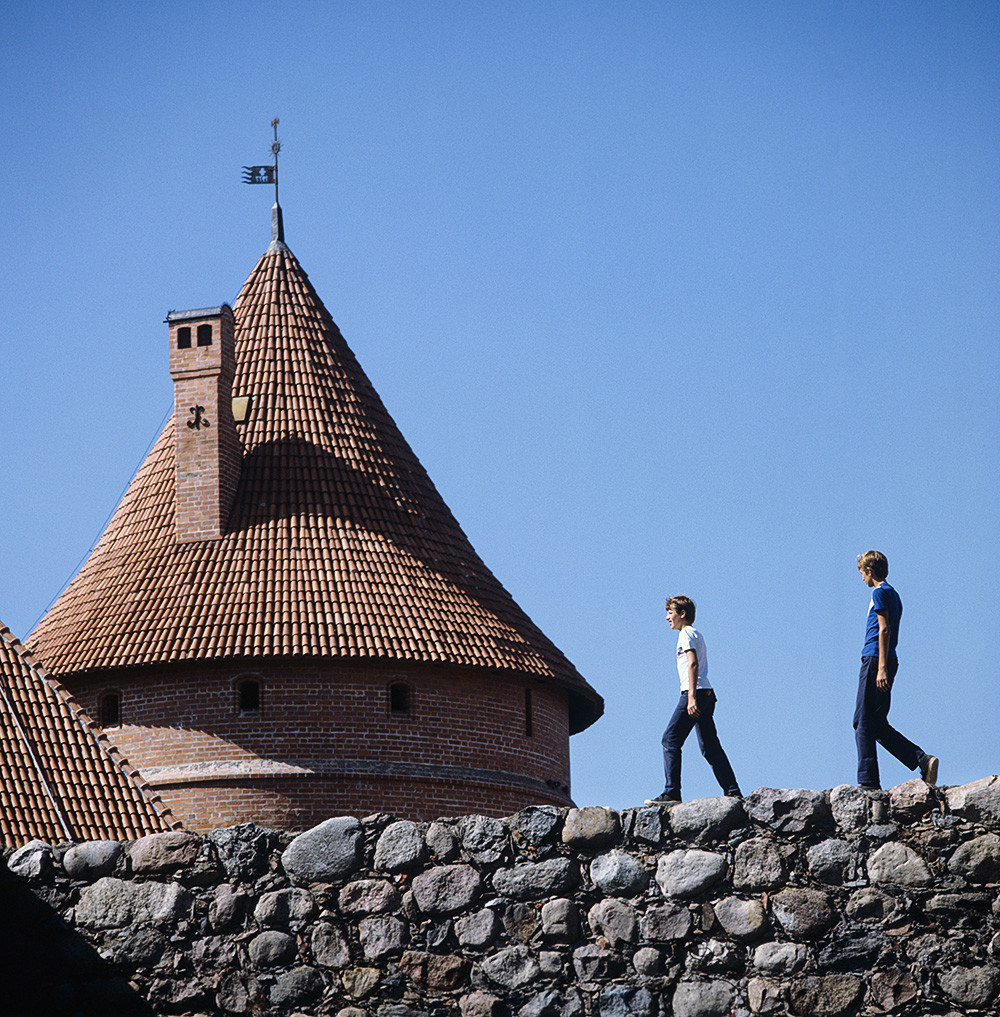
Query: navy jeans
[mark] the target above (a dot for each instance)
(677, 731)
(871, 724)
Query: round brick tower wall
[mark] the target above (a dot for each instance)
(325, 741)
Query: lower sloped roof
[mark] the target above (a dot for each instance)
(60, 776)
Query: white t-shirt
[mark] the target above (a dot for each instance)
(689, 638)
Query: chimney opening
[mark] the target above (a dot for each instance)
(184, 338)
(205, 335)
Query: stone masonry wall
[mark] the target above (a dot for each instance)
(802, 902)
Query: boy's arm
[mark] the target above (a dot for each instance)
(693, 710)
(884, 632)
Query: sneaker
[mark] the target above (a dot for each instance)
(870, 787)
(735, 793)
(667, 798)
(928, 769)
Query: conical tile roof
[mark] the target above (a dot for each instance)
(338, 544)
(60, 777)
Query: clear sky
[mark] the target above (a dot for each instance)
(674, 297)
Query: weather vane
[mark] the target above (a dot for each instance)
(266, 174)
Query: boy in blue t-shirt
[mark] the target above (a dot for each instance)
(878, 669)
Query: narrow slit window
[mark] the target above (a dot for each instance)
(204, 335)
(184, 338)
(528, 724)
(248, 695)
(399, 698)
(111, 709)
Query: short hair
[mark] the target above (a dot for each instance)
(682, 605)
(875, 562)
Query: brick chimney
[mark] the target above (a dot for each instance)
(207, 448)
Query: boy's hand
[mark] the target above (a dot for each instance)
(693, 710)
(881, 680)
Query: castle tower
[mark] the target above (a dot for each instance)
(283, 621)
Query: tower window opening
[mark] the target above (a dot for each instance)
(399, 698)
(528, 725)
(204, 335)
(248, 695)
(110, 709)
(184, 338)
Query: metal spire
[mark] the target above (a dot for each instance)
(269, 175)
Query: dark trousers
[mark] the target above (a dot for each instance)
(677, 731)
(871, 724)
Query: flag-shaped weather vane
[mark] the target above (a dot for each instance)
(269, 175)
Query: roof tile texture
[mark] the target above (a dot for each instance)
(338, 544)
(60, 776)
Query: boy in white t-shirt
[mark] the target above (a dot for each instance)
(695, 709)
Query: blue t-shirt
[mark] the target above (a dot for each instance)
(884, 598)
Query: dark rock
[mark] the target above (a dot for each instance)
(92, 860)
(533, 880)
(537, 824)
(446, 889)
(329, 946)
(665, 923)
(825, 996)
(594, 963)
(625, 1001)
(381, 936)
(521, 922)
(893, 989)
(560, 920)
(272, 949)
(971, 986)
(758, 865)
(803, 913)
(483, 839)
(615, 921)
(477, 930)
(850, 953)
(511, 968)
(326, 853)
(789, 810)
(242, 851)
(298, 986)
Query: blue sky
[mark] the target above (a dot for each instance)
(667, 297)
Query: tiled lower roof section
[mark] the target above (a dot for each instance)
(60, 777)
(338, 544)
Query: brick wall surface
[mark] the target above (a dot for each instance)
(325, 741)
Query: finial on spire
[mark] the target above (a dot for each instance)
(269, 175)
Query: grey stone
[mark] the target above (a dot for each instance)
(542, 1004)
(803, 913)
(446, 889)
(284, 907)
(483, 839)
(560, 920)
(242, 850)
(788, 810)
(647, 961)
(592, 827)
(326, 853)
(665, 923)
(703, 999)
(687, 874)
(442, 842)
(911, 800)
(976, 987)
(869, 903)
(978, 860)
(368, 897)
(329, 946)
(533, 880)
(272, 949)
(92, 859)
(647, 824)
(855, 952)
(849, 805)
(898, 864)
(764, 996)
(552, 963)
(511, 968)
(381, 936)
(892, 989)
(33, 861)
(537, 824)
(624, 1001)
(758, 865)
(830, 860)
(978, 802)
(478, 930)
(115, 903)
(708, 818)
(298, 986)
(480, 1004)
(618, 874)
(164, 852)
(615, 921)
(141, 946)
(742, 919)
(359, 983)
(521, 922)
(227, 907)
(400, 847)
(780, 958)
(233, 992)
(593, 963)
(826, 996)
